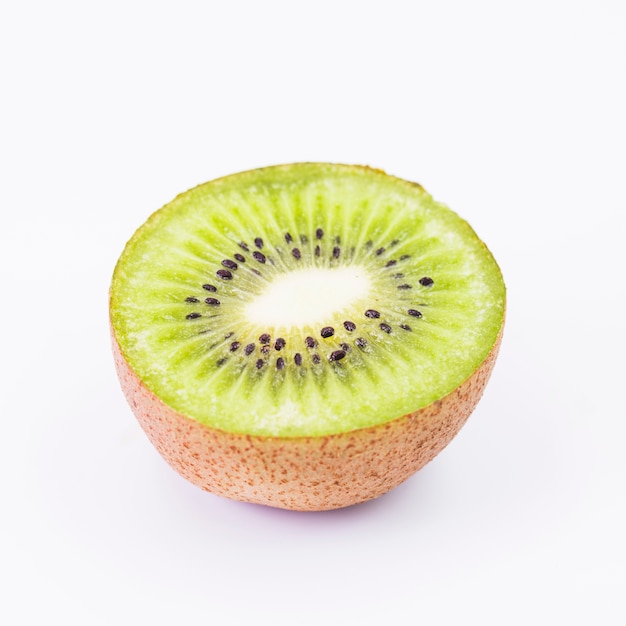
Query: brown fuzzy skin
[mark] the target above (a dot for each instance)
(303, 473)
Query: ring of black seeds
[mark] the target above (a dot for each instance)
(327, 331)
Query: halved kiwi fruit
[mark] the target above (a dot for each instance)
(304, 336)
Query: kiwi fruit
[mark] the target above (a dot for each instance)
(304, 336)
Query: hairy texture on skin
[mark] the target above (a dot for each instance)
(303, 473)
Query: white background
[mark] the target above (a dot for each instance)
(511, 113)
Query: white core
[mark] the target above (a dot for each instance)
(307, 297)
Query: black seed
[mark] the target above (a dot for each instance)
(234, 346)
(385, 327)
(209, 287)
(404, 257)
(240, 257)
(222, 361)
(414, 313)
(191, 299)
(405, 327)
(395, 242)
(398, 275)
(212, 301)
(316, 358)
(310, 342)
(369, 244)
(249, 349)
(288, 238)
(280, 363)
(319, 233)
(228, 335)
(390, 263)
(258, 242)
(336, 252)
(345, 346)
(405, 287)
(265, 349)
(259, 256)
(224, 274)
(380, 251)
(426, 281)
(361, 343)
(371, 313)
(304, 239)
(193, 316)
(337, 355)
(298, 358)
(337, 239)
(264, 338)
(318, 251)
(350, 326)
(243, 246)
(327, 331)
(259, 363)
(296, 253)
(231, 265)
(280, 343)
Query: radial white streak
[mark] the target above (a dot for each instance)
(307, 297)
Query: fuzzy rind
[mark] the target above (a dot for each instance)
(303, 473)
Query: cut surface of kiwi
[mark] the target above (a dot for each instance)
(305, 300)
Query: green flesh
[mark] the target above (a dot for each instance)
(189, 363)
